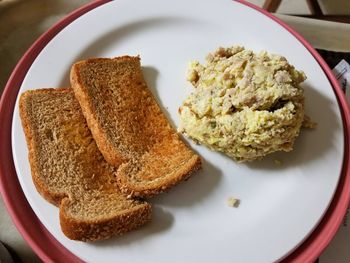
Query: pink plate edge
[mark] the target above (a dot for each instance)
(50, 250)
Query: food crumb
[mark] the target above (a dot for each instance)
(278, 162)
(233, 202)
(308, 123)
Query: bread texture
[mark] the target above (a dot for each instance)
(69, 171)
(129, 126)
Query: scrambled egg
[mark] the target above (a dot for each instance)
(245, 105)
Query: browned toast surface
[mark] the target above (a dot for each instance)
(129, 126)
(70, 172)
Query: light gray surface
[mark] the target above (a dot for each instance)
(321, 34)
(23, 21)
(10, 236)
(331, 7)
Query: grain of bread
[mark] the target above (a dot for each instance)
(70, 172)
(129, 126)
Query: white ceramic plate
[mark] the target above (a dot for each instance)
(280, 205)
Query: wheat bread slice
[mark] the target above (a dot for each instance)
(69, 171)
(129, 126)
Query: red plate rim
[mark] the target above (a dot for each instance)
(50, 250)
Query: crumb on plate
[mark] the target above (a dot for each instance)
(233, 202)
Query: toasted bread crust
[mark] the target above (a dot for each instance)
(24, 111)
(105, 145)
(154, 188)
(129, 126)
(100, 229)
(84, 221)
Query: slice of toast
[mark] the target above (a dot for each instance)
(129, 126)
(69, 171)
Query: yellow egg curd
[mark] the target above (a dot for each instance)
(244, 104)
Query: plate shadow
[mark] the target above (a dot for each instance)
(161, 221)
(192, 191)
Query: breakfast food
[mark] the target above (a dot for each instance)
(233, 202)
(129, 127)
(69, 171)
(245, 104)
